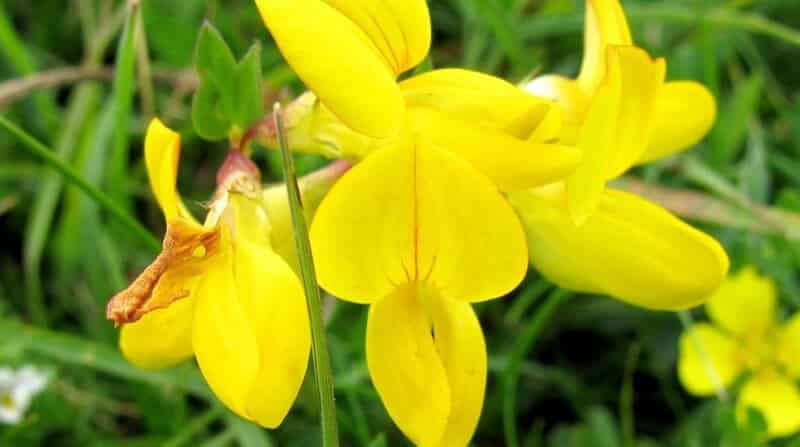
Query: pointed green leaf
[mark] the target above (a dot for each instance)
(249, 88)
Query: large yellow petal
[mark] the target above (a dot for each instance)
(477, 98)
(223, 336)
(459, 341)
(617, 124)
(777, 398)
(511, 163)
(684, 114)
(400, 29)
(789, 346)
(707, 360)
(595, 140)
(338, 62)
(412, 211)
(251, 312)
(605, 25)
(162, 151)
(272, 298)
(406, 368)
(744, 304)
(629, 248)
(162, 338)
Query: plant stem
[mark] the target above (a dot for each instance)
(38, 149)
(516, 358)
(322, 367)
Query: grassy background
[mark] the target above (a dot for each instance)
(600, 373)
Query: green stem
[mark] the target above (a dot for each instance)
(516, 359)
(194, 427)
(322, 367)
(36, 148)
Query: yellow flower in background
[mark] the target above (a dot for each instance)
(419, 228)
(746, 339)
(588, 237)
(219, 292)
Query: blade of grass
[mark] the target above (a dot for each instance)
(322, 367)
(40, 219)
(37, 149)
(196, 425)
(123, 90)
(18, 56)
(77, 351)
(512, 371)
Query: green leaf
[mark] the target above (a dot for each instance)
(249, 88)
(208, 116)
(379, 441)
(215, 63)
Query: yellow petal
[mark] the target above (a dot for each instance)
(250, 314)
(778, 400)
(744, 304)
(629, 248)
(684, 114)
(511, 163)
(789, 346)
(617, 124)
(478, 98)
(595, 138)
(459, 342)
(405, 366)
(642, 79)
(338, 62)
(272, 297)
(162, 338)
(223, 335)
(162, 151)
(707, 360)
(399, 29)
(605, 25)
(412, 211)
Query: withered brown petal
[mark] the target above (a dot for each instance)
(186, 248)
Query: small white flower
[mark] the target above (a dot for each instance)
(17, 390)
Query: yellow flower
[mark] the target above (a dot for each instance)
(419, 228)
(219, 292)
(588, 237)
(746, 338)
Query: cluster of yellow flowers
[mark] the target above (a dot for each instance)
(460, 181)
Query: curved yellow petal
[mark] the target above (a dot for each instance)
(789, 346)
(459, 341)
(223, 335)
(251, 313)
(410, 212)
(272, 298)
(510, 162)
(605, 25)
(684, 114)
(707, 360)
(161, 338)
(162, 150)
(406, 368)
(778, 400)
(617, 124)
(399, 29)
(478, 98)
(629, 248)
(595, 139)
(338, 62)
(744, 304)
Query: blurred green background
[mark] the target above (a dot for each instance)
(600, 373)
